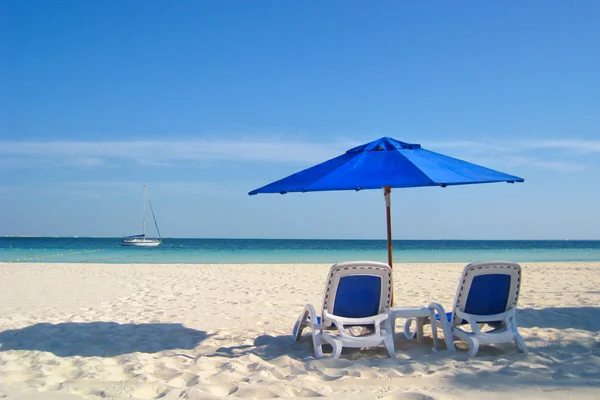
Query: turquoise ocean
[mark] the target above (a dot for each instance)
(280, 251)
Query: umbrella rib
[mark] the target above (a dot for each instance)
(433, 183)
(327, 174)
(454, 183)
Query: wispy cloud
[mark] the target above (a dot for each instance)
(165, 152)
(553, 165)
(102, 189)
(579, 146)
(555, 155)
(560, 155)
(471, 146)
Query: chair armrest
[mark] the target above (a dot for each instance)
(439, 309)
(472, 318)
(446, 326)
(312, 313)
(375, 320)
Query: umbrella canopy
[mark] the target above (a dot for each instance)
(386, 163)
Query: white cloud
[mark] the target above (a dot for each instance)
(555, 155)
(158, 187)
(553, 165)
(580, 146)
(21, 154)
(164, 152)
(102, 189)
(470, 146)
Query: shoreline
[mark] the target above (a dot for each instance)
(292, 251)
(202, 331)
(290, 264)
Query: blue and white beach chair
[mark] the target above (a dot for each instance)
(487, 295)
(357, 297)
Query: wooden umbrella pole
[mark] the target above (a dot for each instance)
(387, 192)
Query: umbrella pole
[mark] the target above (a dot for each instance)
(387, 193)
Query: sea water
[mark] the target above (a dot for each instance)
(279, 251)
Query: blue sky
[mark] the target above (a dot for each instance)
(205, 101)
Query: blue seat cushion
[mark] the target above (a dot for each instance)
(488, 295)
(357, 296)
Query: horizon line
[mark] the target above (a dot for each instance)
(243, 238)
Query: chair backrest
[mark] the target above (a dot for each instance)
(487, 288)
(357, 289)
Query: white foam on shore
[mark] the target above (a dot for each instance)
(139, 331)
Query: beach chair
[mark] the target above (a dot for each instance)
(487, 295)
(355, 309)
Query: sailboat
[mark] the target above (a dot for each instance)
(141, 240)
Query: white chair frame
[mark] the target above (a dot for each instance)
(506, 332)
(332, 328)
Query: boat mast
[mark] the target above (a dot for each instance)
(144, 213)
(154, 217)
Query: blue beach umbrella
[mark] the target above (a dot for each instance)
(386, 163)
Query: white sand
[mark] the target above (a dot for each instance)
(71, 331)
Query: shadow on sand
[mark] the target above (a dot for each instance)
(583, 318)
(100, 339)
(269, 347)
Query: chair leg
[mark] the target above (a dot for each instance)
(434, 335)
(521, 343)
(518, 339)
(318, 344)
(388, 341)
(473, 346)
(419, 330)
(407, 333)
(335, 344)
(390, 326)
(448, 336)
(301, 323)
(297, 331)
(337, 349)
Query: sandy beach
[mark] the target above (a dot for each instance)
(134, 331)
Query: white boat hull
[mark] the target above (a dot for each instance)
(141, 242)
